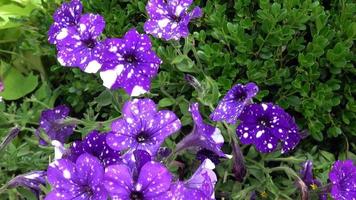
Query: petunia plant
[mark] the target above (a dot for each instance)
(190, 141)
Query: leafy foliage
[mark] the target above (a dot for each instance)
(300, 54)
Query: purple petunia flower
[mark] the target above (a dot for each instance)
(95, 144)
(31, 180)
(67, 15)
(79, 46)
(306, 174)
(264, 125)
(169, 19)
(152, 182)
(129, 63)
(235, 100)
(52, 123)
(343, 179)
(199, 187)
(142, 127)
(80, 180)
(203, 136)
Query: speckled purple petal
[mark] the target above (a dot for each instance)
(233, 103)
(90, 26)
(67, 15)
(180, 191)
(203, 135)
(204, 178)
(119, 139)
(89, 170)
(141, 158)
(164, 124)
(59, 194)
(95, 144)
(196, 13)
(51, 122)
(154, 179)
(343, 179)
(264, 125)
(118, 181)
(60, 173)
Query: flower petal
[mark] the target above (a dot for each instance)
(154, 179)
(118, 180)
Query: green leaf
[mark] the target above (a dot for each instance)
(165, 102)
(17, 85)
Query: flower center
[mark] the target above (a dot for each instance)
(142, 137)
(89, 43)
(175, 18)
(87, 190)
(130, 58)
(241, 96)
(136, 195)
(264, 121)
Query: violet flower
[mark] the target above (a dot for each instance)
(200, 186)
(80, 180)
(52, 123)
(79, 46)
(343, 179)
(264, 125)
(142, 127)
(152, 182)
(95, 144)
(129, 63)
(203, 136)
(66, 16)
(31, 180)
(170, 19)
(233, 103)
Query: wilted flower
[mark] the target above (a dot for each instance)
(95, 144)
(51, 122)
(233, 103)
(307, 181)
(142, 127)
(129, 63)
(264, 125)
(9, 137)
(31, 180)
(152, 182)
(306, 174)
(193, 82)
(200, 186)
(66, 16)
(79, 46)
(238, 163)
(203, 136)
(80, 180)
(343, 179)
(169, 19)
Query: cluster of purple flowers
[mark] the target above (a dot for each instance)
(128, 62)
(124, 163)
(263, 125)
